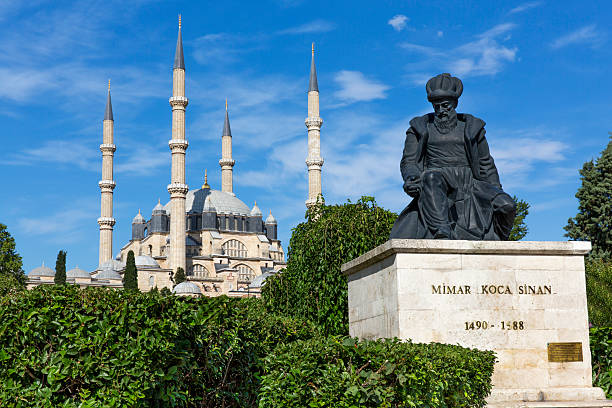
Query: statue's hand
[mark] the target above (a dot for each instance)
(412, 186)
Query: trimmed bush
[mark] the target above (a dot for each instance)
(599, 292)
(601, 357)
(342, 372)
(312, 286)
(64, 346)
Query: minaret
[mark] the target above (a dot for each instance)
(178, 145)
(226, 162)
(107, 184)
(314, 161)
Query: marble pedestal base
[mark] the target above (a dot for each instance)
(511, 297)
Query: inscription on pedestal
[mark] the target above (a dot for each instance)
(564, 352)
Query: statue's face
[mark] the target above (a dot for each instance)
(444, 107)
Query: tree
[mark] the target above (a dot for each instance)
(179, 276)
(10, 261)
(594, 219)
(130, 277)
(312, 286)
(60, 268)
(519, 229)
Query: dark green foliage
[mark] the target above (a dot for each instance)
(312, 286)
(165, 291)
(130, 276)
(10, 285)
(599, 292)
(341, 372)
(594, 219)
(519, 229)
(10, 261)
(601, 358)
(60, 269)
(69, 347)
(179, 276)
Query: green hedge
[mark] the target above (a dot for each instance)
(601, 356)
(342, 372)
(599, 292)
(63, 346)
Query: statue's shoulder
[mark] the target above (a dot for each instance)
(471, 120)
(419, 123)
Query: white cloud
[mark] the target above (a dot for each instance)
(355, 87)
(398, 22)
(316, 26)
(586, 35)
(525, 6)
(440, 34)
(68, 152)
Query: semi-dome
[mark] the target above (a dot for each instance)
(107, 274)
(224, 203)
(42, 271)
(146, 261)
(77, 273)
(187, 288)
(255, 211)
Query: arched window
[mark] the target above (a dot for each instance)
(245, 272)
(200, 271)
(151, 281)
(234, 248)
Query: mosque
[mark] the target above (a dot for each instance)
(224, 246)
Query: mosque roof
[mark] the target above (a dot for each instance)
(77, 273)
(42, 271)
(260, 280)
(256, 212)
(187, 288)
(159, 207)
(138, 219)
(224, 203)
(146, 261)
(270, 219)
(106, 274)
(111, 264)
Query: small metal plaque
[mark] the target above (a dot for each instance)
(564, 352)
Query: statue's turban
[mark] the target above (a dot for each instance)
(443, 86)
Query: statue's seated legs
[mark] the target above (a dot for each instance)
(433, 202)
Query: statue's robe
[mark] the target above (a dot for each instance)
(482, 211)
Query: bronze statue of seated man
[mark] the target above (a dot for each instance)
(449, 172)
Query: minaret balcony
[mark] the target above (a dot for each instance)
(108, 147)
(227, 162)
(106, 222)
(177, 190)
(106, 184)
(315, 162)
(178, 102)
(179, 144)
(313, 122)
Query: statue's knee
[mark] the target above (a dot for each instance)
(430, 177)
(503, 203)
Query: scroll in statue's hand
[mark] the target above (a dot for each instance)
(412, 186)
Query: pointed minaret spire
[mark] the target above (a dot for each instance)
(179, 59)
(108, 113)
(226, 162)
(107, 184)
(313, 84)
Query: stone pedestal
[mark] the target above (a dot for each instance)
(524, 300)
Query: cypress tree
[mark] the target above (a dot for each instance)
(130, 277)
(519, 229)
(594, 219)
(60, 269)
(179, 276)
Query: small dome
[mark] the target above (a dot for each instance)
(42, 271)
(270, 219)
(208, 205)
(259, 281)
(138, 219)
(158, 208)
(77, 273)
(107, 274)
(112, 264)
(146, 261)
(256, 212)
(187, 288)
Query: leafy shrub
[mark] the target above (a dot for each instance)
(63, 346)
(343, 372)
(601, 357)
(312, 286)
(599, 292)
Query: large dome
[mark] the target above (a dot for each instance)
(146, 261)
(42, 271)
(224, 203)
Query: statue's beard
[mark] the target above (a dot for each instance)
(446, 123)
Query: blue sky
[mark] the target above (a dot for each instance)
(537, 72)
